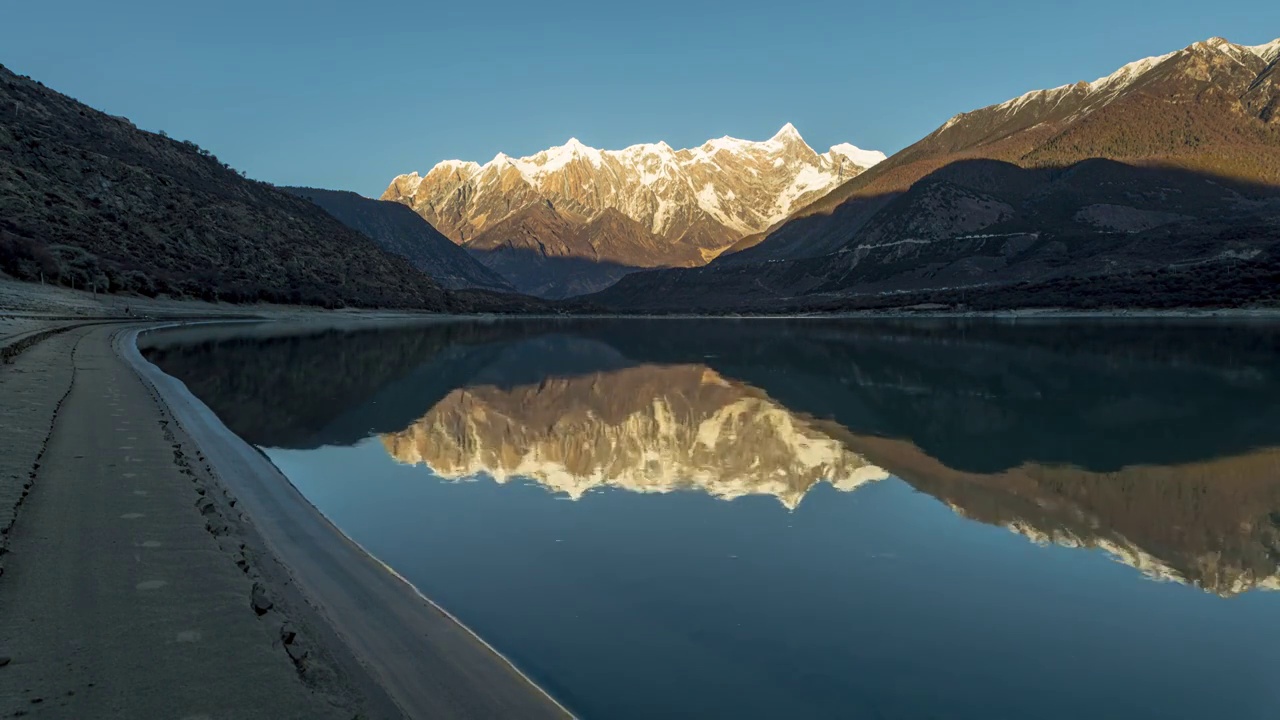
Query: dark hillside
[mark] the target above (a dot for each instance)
(90, 201)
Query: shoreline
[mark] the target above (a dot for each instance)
(41, 303)
(390, 610)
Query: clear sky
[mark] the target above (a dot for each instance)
(347, 95)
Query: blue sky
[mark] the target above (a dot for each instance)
(347, 95)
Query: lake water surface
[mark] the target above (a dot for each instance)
(804, 519)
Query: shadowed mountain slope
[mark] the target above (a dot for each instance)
(90, 200)
(400, 231)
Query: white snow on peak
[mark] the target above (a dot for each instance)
(556, 158)
(856, 155)
(1269, 51)
(465, 168)
(787, 132)
(729, 144)
(535, 166)
(785, 136)
(659, 149)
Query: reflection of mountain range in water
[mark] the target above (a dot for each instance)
(645, 429)
(1155, 443)
(660, 428)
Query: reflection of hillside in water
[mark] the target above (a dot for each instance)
(645, 429)
(1214, 524)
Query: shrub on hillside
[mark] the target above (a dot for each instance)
(26, 259)
(79, 268)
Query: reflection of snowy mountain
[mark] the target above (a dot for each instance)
(1213, 524)
(645, 429)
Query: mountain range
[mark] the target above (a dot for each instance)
(1158, 184)
(573, 219)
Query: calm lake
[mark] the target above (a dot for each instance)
(803, 519)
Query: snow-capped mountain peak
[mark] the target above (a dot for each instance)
(787, 132)
(687, 205)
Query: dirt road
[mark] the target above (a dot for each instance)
(155, 566)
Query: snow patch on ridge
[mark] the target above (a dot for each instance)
(732, 145)
(1108, 87)
(407, 183)
(1111, 84)
(808, 180)
(861, 158)
(1269, 52)
(1127, 74)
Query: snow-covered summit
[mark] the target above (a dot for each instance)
(710, 195)
(787, 132)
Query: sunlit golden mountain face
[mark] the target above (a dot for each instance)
(650, 429)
